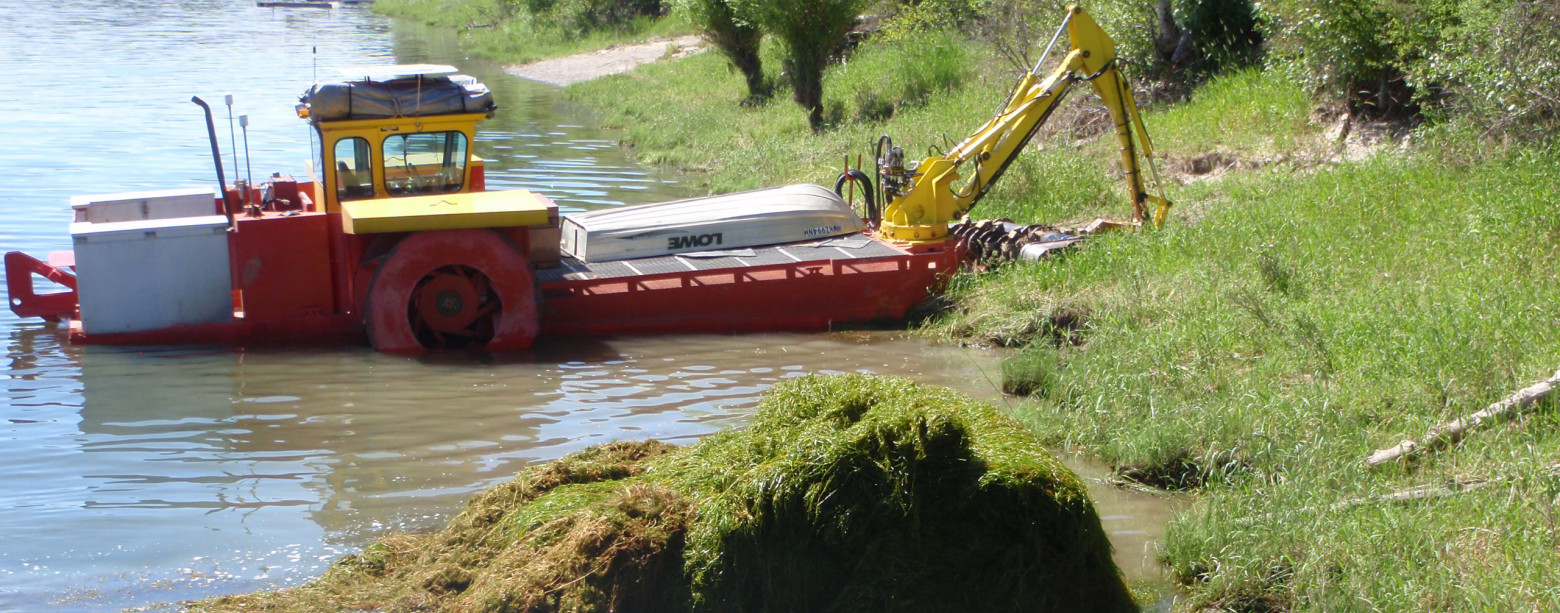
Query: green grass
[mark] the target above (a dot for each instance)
(1294, 316)
(496, 30)
(686, 113)
(1249, 114)
(1306, 320)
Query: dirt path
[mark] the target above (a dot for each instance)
(613, 60)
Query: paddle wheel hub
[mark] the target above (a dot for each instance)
(453, 307)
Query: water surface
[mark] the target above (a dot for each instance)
(137, 476)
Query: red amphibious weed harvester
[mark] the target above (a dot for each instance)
(398, 242)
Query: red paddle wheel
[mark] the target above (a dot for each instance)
(452, 289)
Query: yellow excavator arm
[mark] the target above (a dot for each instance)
(921, 200)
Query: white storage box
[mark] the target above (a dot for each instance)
(156, 204)
(152, 274)
(769, 216)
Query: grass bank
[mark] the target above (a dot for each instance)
(504, 31)
(928, 94)
(847, 493)
(1309, 302)
(1306, 319)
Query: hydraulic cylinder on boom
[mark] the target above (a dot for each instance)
(921, 199)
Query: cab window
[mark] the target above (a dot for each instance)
(354, 169)
(425, 163)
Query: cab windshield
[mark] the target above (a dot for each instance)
(425, 163)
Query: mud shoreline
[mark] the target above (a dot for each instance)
(612, 60)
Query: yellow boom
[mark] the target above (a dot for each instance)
(921, 199)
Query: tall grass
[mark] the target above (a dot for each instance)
(1292, 318)
(1249, 113)
(1289, 320)
(1304, 321)
(883, 79)
(503, 31)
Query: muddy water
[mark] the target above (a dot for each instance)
(170, 474)
(159, 475)
(153, 475)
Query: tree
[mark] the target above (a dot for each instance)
(735, 36)
(810, 31)
(1225, 31)
(1491, 62)
(1343, 48)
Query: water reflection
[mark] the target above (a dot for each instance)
(143, 475)
(147, 475)
(194, 470)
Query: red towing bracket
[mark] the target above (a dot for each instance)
(25, 302)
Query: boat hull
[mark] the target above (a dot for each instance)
(880, 283)
(730, 221)
(300, 279)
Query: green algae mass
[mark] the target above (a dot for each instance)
(848, 493)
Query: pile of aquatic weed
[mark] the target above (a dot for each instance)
(580, 533)
(847, 493)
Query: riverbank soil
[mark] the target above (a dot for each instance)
(848, 493)
(613, 60)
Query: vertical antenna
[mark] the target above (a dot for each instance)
(314, 54)
(232, 141)
(243, 122)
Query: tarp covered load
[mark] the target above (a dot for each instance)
(406, 97)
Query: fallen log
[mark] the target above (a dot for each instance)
(1412, 494)
(1452, 431)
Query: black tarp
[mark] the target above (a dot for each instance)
(406, 97)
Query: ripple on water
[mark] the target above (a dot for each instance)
(143, 475)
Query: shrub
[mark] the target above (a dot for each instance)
(581, 17)
(1491, 63)
(1497, 63)
(1224, 31)
(1338, 47)
(810, 31)
(912, 18)
(585, 16)
(735, 36)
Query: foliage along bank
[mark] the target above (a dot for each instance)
(1316, 296)
(519, 31)
(1312, 300)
